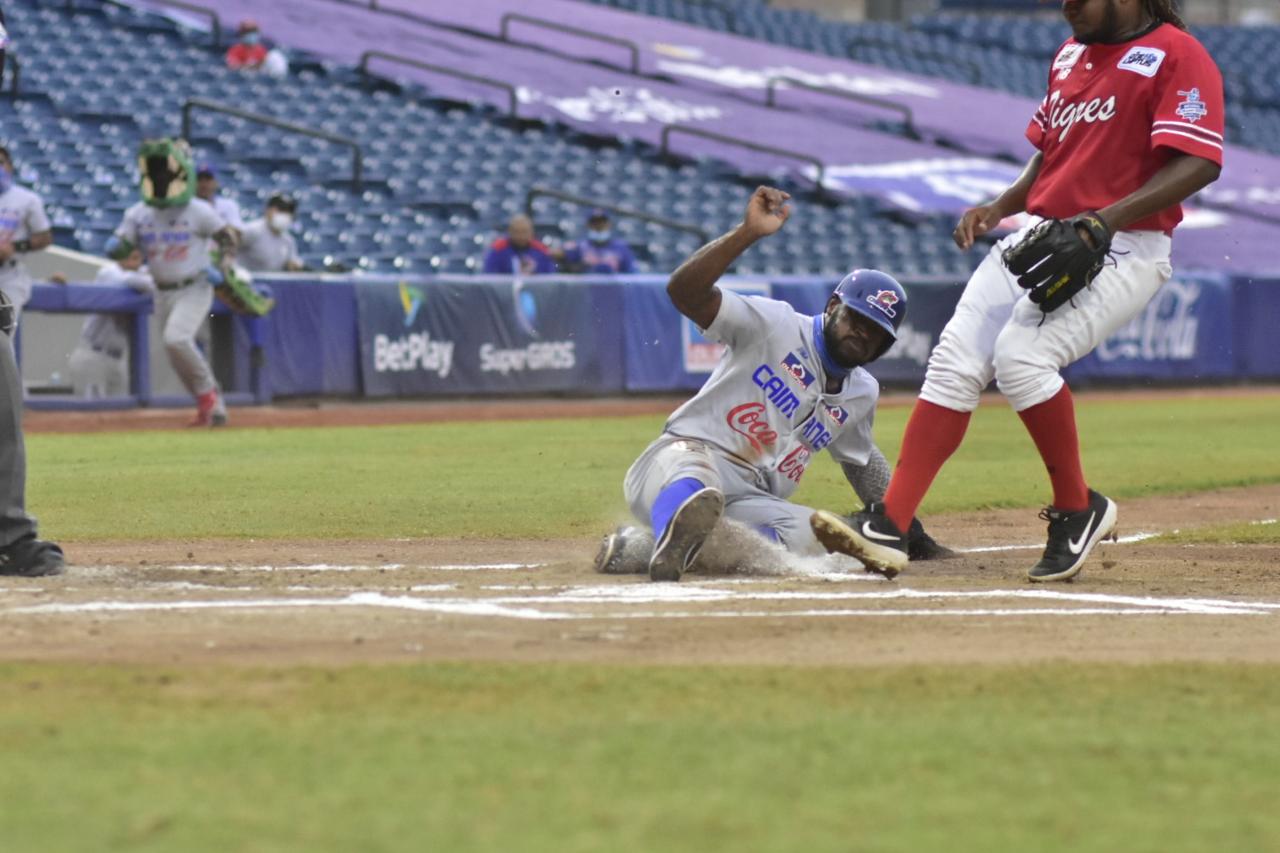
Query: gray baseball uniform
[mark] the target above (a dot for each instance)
(14, 521)
(99, 364)
(756, 423)
(21, 215)
(228, 210)
(175, 244)
(263, 250)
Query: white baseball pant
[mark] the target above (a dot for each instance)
(996, 331)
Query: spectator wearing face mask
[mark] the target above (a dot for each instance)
(248, 53)
(266, 244)
(600, 251)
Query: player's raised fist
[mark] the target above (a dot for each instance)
(766, 211)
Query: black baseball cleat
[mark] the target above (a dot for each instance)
(1072, 536)
(30, 557)
(686, 532)
(921, 546)
(868, 535)
(613, 559)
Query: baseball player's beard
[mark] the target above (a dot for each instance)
(1107, 30)
(833, 345)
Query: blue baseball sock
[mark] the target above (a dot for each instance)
(770, 533)
(669, 500)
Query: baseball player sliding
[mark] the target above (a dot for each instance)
(789, 387)
(1131, 126)
(173, 230)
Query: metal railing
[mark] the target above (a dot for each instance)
(363, 68)
(357, 153)
(11, 60)
(504, 33)
(670, 129)
(974, 69)
(908, 118)
(215, 23)
(629, 212)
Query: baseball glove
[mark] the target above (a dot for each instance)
(234, 285)
(1055, 263)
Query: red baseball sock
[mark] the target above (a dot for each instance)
(1052, 425)
(933, 434)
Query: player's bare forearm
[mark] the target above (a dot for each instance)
(692, 287)
(1014, 198)
(41, 240)
(1177, 180)
(977, 221)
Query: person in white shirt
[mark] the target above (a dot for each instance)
(266, 244)
(99, 364)
(788, 387)
(24, 227)
(207, 189)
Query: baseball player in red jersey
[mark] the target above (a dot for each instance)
(1131, 126)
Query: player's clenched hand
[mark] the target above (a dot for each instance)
(975, 222)
(766, 211)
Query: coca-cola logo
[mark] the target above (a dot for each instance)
(749, 420)
(1166, 330)
(1065, 116)
(792, 467)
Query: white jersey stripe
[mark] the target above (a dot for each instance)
(1182, 125)
(1199, 139)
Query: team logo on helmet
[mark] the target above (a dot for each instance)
(885, 300)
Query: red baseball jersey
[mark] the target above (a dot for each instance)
(1116, 113)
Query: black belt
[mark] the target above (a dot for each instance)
(175, 285)
(113, 352)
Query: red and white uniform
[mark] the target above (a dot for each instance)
(1114, 115)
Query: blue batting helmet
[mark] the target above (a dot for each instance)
(878, 297)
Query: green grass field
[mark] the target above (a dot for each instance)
(558, 478)
(583, 758)
(488, 757)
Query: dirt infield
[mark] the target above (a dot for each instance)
(323, 602)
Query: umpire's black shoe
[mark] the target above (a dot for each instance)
(686, 532)
(30, 557)
(922, 546)
(868, 535)
(1072, 536)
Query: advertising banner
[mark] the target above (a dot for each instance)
(1185, 333)
(478, 336)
